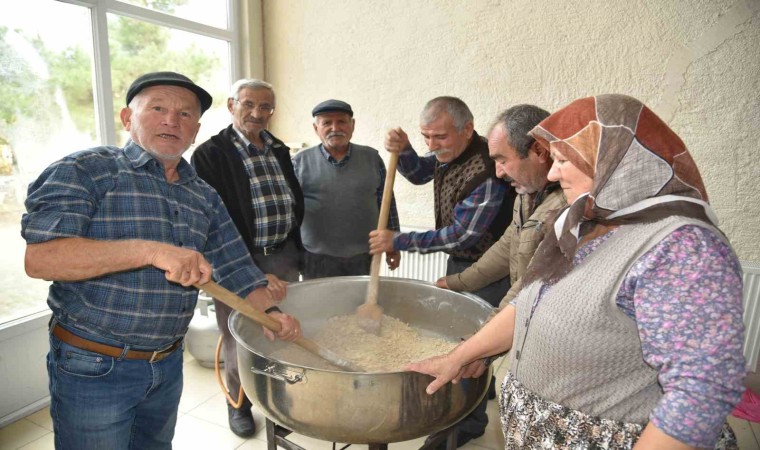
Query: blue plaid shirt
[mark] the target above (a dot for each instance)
(472, 216)
(108, 193)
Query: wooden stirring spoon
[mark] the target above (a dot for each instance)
(370, 313)
(238, 304)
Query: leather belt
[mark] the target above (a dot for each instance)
(266, 251)
(114, 352)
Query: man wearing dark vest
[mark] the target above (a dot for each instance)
(472, 205)
(343, 185)
(252, 172)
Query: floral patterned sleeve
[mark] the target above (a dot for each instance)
(686, 297)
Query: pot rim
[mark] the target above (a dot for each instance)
(330, 280)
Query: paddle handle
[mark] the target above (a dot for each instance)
(385, 206)
(382, 223)
(238, 304)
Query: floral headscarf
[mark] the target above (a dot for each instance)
(641, 172)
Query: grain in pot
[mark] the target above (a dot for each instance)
(397, 345)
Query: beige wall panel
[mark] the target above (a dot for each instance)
(695, 63)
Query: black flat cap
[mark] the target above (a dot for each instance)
(332, 106)
(171, 79)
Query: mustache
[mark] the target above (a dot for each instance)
(333, 134)
(440, 151)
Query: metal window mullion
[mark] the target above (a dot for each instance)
(103, 88)
(233, 14)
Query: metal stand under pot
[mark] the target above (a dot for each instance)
(276, 438)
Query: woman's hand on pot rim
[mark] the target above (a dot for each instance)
(443, 368)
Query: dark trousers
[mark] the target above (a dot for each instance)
(284, 263)
(321, 266)
(493, 293)
(475, 423)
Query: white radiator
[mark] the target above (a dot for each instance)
(427, 267)
(751, 314)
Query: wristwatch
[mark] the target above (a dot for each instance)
(272, 309)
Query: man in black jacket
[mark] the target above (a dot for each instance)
(252, 172)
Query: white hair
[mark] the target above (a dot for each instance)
(249, 83)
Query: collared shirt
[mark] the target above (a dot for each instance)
(393, 220)
(272, 201)
(472, 216)
(109, 193)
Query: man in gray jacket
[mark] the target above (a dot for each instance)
(342, 183)
(522, 162)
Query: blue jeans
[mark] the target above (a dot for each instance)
(102, 403)
(474, 424)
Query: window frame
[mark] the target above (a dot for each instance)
(24, 339)
(106, 128)
(107, 133)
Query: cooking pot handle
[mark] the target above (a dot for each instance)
(280, 373)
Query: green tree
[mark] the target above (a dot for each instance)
(71, 72)
(20, 87)
(135, 48)
(22, 94)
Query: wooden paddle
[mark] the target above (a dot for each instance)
(238, 304)
(370, 313)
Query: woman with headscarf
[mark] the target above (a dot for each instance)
(629, 332)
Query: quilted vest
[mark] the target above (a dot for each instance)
(455, 181)
(579, 349)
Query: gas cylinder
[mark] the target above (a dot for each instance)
(203, 332)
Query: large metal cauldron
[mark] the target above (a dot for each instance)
(360, 408)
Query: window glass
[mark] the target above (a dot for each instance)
(46, 112)
(47, 106)
(209, 12)
(138, 47)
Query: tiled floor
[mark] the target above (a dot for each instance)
(203, 423)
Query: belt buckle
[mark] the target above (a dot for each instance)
(159, 352)
(153, 357)
(268, 251)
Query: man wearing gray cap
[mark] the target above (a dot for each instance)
(252, 172)
(343, 185)
(125, 234)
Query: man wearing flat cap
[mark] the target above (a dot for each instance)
(125, 235)
(251, 170)
(343, 185)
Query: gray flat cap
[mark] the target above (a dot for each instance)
(332, 106)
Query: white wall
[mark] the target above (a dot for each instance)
(23, 367)
(695, 63)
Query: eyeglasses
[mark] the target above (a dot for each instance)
(250, 106)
